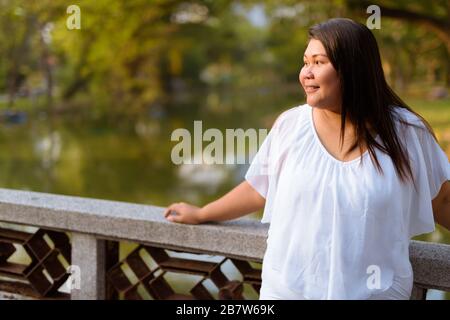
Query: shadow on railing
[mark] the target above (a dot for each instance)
(69, 249)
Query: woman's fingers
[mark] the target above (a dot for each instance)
(175, 208)
(177, 217)
(174, 218)
(181, 212)
(166, 212)
(169, 210)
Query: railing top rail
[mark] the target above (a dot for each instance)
(242, 238)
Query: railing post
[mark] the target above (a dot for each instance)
(418, 293)
(89, 256)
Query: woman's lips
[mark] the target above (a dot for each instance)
(311, 89)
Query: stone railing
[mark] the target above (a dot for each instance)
(78, 237)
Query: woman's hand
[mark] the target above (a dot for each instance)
(238, 202)
(183, 213)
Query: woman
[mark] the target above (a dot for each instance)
(345, 180)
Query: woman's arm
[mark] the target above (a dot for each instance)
(441, 206)
(241, 200)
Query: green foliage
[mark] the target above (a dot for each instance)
(131, 54)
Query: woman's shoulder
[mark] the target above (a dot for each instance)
(292, 117)
(412, 127)
(407, 117)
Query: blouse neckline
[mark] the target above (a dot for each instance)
(325, 151)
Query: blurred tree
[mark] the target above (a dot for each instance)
(25, 44)
(129, 55)
(432, 15)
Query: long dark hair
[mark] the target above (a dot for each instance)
(367, 99)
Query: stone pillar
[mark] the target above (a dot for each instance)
(88, 258)
(418, 293)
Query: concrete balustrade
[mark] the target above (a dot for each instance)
(91, 221)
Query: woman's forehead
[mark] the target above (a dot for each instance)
(315, 47)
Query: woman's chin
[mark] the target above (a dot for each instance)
(312, 102)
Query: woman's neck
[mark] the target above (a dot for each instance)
(333, 120)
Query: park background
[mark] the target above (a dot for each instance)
(89, 112)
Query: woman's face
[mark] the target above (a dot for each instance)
(319, 79)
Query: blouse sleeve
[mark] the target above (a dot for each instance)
(431, 170)
(436, 162)
(261, 174)
(258, 173)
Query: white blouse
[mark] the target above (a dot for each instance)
(341, 230)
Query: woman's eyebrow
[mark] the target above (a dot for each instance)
(317, 54)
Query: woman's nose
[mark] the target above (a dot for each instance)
(308, 73)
